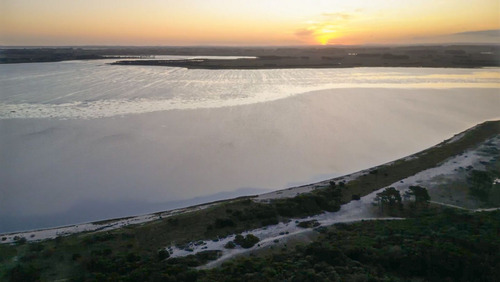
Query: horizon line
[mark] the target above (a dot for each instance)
(251, 46)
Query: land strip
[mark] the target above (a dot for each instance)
(134, 246)
(454, 56)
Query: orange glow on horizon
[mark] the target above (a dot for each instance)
(225, 22)
(326, 38)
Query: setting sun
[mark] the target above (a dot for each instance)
(325, 38)
(263, 140)
(280, 22)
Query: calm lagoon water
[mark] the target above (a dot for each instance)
(83, 140)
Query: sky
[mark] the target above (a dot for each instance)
(247, 23)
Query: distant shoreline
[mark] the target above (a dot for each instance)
(452, 56)
(300, 62)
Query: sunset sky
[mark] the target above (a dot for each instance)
(256, 22)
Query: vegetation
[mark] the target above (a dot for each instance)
(326, 199)
(448, 246)
(389, 199)
(348, 252)
(246, 242)
(420, 195)
(482, 185)
(281, 57)
(435, 245)
(308, 224)
(387, 174)
(230, 245)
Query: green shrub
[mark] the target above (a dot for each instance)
(230, 245)
(246, 242)
(20, 240)
(163, 254)
(308, 224)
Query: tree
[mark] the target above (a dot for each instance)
(419, 193)
(389, 198)
(480, 184)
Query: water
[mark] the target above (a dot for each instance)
(84, 140)
(93, 89)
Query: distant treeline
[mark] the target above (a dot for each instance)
(276, 57)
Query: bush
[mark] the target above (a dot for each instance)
(308, 224)
(163, 254)
(20, 240)
(246, 242)
(206, 256)
(230, 245)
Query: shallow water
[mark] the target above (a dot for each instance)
(94, 89)
(84, 141)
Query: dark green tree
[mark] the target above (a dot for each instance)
(480, 184)
(419, 193)
(390, 199)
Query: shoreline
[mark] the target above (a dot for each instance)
(111, 224)
(265, 64)
(278, 57)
